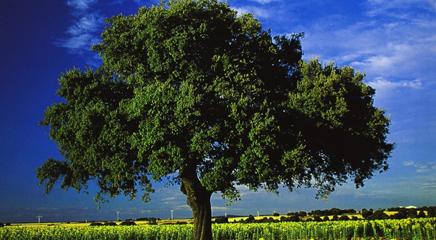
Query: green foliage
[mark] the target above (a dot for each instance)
(342, 133)
(193, 87)
(421, 214)
(250, 219)
(344, 218)
(221, 220)
(367, 213)
(379, 214)
(96, 224)
(127, 223)
(110, 224)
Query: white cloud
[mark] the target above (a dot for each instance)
(429, 186)
(392, 49)
(264, 1)
(166, 199)
(83, 33)
(219, 209)
(256, 11)
(408, 163)
(381, 84)
(421, 167)
(398, 8)
(87, 23)
(79, 43)
(394, 58)
(80, 4)
(183, 207)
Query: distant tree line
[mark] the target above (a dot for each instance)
(333, 211)
(336, 214)
(401, 213)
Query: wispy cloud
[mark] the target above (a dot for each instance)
(83, 32)
(219, 209)
(173, 198)
(264, 1)
(138, 2)
(381, 84)
(421, 167)
(399, 7)
(429, 186)
(87, 23)
(80, 4)
(182, 207)
(256, 11)
(393, 48)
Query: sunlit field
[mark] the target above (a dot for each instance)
(423, 228)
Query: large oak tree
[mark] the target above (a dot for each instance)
(194, 93)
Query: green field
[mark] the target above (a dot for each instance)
(423, 228)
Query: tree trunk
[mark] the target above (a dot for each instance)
(198, 198)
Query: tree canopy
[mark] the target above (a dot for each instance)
(192, 90)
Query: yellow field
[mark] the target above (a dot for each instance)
(420, 228)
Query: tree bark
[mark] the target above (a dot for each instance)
(198, 198)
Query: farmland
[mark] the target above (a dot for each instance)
(421, 228)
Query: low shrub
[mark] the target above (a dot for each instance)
(221, 220)
(127, 223)
(367, 213)
(294, 218)
(109, 224)
(379, 214)
(344, 218)
(96, 224)
(267, 220)
(250, 219)
(152, 221)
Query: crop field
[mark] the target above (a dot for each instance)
(423, 228)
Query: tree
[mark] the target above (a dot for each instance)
(196, 94)
(367, 213)
(421, 214)
(379, 214)
(344, 218)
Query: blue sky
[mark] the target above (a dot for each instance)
(393, 42)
